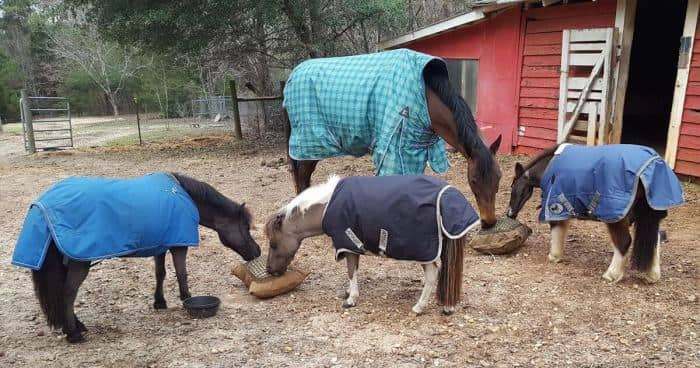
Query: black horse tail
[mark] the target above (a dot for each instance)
(449, 289)
(437, 79)
(646, 232)
(49, 282)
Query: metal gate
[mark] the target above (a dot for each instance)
(46, 122)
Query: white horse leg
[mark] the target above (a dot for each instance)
(558, 234)
(654, 273)
(621, 240)
(353, 263)
(616, 270)
(429, 285)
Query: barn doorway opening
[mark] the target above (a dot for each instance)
(652, 74)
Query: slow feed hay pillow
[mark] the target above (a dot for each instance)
(263, 285)
(505, 237)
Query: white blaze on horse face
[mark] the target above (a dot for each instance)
(429, 286)
(558, 234)
(617, 267)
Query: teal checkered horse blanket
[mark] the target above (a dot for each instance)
(355, 105)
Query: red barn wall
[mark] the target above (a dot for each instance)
(495, 43)
(541, 60)
(688, 154)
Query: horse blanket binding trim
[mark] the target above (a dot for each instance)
(355, 105)
(400, 217)
(600, 183)
(91, 218)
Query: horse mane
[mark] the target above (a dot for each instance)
(202, 192)
(436, 77)
(547, 152)
(316, 194)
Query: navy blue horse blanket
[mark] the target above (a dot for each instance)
(91, 218)
(400, 217)
(601, 182)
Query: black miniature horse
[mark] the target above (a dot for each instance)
(56, 284)
(645, 250)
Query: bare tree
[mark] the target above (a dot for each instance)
(108, 64)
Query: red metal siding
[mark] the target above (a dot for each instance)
(495, 43)
(539, 85)
(688, 154)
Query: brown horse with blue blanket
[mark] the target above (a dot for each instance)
(397, 106)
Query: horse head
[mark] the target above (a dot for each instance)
(483, 175)
(234, 233)
(520, 190)
(284, 244)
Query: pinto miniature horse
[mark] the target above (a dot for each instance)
(355, 211)
(448, 117)
(57, 277)
(621, 185)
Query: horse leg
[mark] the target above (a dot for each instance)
(429, 285)
(180, 262)
(353, 263)
(301, 173)
(73, 328)
(620, 235)
(159, 302)
(654, 273)
(558, 234)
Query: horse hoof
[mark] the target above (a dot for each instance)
(160, 305)
(75, 337)
(343, 295)
(417, 310)
(612, 277)
(80, 326)
(448, 311)
(553, 258)
(347, 304)
(652, 277)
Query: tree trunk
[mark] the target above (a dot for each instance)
(115, 108)
(300, 29)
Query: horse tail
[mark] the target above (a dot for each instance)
(437, 79)
(49, 282)
(449, 289)
(646, 232)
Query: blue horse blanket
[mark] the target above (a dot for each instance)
(91, 218)
(401, 217)
(355, 105)
(601, 182)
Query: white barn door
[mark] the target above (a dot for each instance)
(585, 86)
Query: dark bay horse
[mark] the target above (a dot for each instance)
(450, 119)
(57, 282)
(646, 220)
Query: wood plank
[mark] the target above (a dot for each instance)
(572, 10)
(692, 90)
(583, 22)
(587, 107)
(525, 150)
(547, 60)
(540, 92)
(689, 141)
(535, 142)
(563, 82)
(688, 154)
(586, 46)
(692, 102)
(534, 50)
(687, 168)
(695, 60)
(694, 75)
(540, 82)
(603, 109)
(591, 96)
(541, 133)
(527, 112)
(540, 123)
(583, 59)
(625, 14)
(544, 103)
(540, 71)
(580, 82)
(691, 116)
(690, 129)
(551, 38)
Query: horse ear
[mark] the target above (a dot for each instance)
(242, 204)
(495, 145)
(519, 169)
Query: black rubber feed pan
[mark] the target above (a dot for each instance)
(202, 306)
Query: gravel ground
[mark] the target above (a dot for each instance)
(518, 310)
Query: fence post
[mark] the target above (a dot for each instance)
(138, 120)
(236, 114)
(27, 122)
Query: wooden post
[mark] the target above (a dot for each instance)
(138, 120)
(27, 122)
(236, 114)
(624, 23)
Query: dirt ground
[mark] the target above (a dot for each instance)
(518, 310)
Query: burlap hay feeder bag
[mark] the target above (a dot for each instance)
(263, 285)
(505, 237)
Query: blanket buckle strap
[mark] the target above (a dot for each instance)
(595, 201)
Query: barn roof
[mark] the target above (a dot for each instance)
(480, 11)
